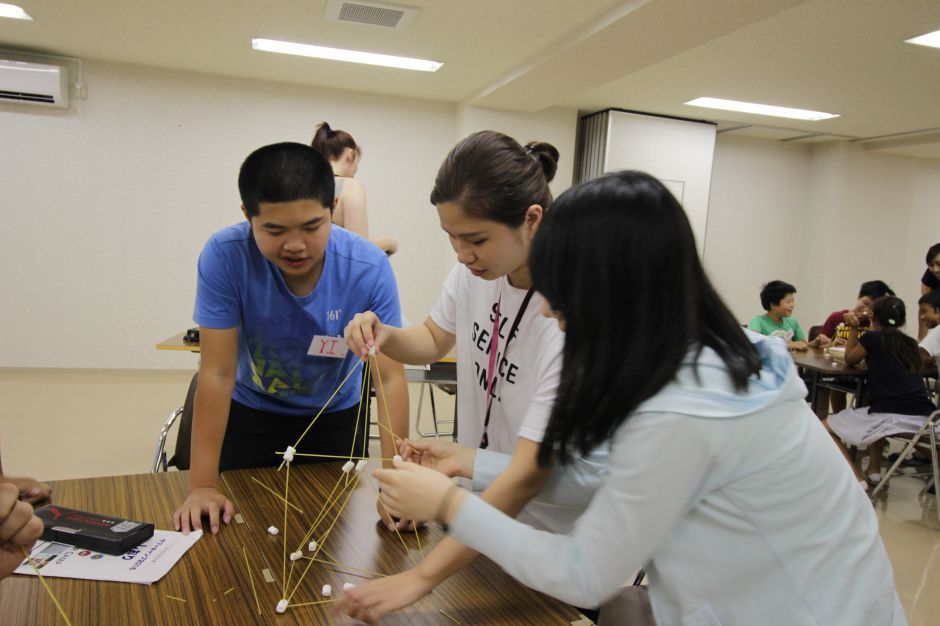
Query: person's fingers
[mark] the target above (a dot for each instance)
(14, 521)
(195, 517)
(229, 509)
(9, 494)
(214, 517)
(177, 520)
(384, 476)
(28, 533)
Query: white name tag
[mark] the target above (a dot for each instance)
(329, 347)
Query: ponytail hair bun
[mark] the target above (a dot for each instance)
(547, 156)
(332, 143)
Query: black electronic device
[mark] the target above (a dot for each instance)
(93, 531)
(191, 336)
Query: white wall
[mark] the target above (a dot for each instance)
(106, 206)
(825, 218)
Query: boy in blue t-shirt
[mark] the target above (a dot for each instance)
(273, 296)
(777, 299)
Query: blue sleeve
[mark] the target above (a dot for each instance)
(384, 298)
(217, 301)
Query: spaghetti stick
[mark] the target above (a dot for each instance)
(276, 494)
(448, 616)
(326, 404)
(175, 598)
(252, 579)
(48, 589)
(330, 501)
(230, 590)
(315, 603)
(284, 562)
(325, 535)
(339, 456)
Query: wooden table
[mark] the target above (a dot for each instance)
(176, 343)
(819, 366)
(479, 594)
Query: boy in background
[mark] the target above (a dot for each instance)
(777, 299)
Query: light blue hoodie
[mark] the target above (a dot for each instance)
(738, 505)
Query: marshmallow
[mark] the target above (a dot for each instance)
(294, 556)
(347, 467)
(289, 454)
(396, 458)
(312, 546)
(361, 465)
(272, 530)
(348, 586)
(327, 591)
(372, 351)
(281, 606)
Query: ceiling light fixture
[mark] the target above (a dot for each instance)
(351, 56)
(760, 109)
(13, 11)
(930, 39)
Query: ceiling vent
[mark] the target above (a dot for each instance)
(371, 13)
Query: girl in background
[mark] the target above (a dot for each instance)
(899, 398)
(751, 518)
(344, 154)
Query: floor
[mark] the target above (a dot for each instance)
(58, 424)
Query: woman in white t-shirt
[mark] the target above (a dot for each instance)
(490, 193)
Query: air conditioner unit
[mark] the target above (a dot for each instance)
(34, 83)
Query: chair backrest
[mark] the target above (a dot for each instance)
(184, 433)
(814, 332)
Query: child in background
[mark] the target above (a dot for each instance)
(836, 329)
(929, 305)
(930, 281)
(777, 299)
(899, 398)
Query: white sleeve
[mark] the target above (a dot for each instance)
(931, 343)
(444, 312)
(640, 501)
(547, 372)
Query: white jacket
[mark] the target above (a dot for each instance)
(739, 506)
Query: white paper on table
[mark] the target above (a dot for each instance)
(145, 564)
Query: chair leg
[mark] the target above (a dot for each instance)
(887, 475)
(934, 462)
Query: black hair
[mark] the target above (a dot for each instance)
(890, 313)
(491, 176)
(875, 289)
(931, 299)
(933, 252)
(616, 257)
(332, 143)
(284, 172)
(775, 291)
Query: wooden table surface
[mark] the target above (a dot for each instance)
(480, 594)
(816, 360)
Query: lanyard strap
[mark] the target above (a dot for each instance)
(491, 374)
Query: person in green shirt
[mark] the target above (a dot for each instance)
(777, 299)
